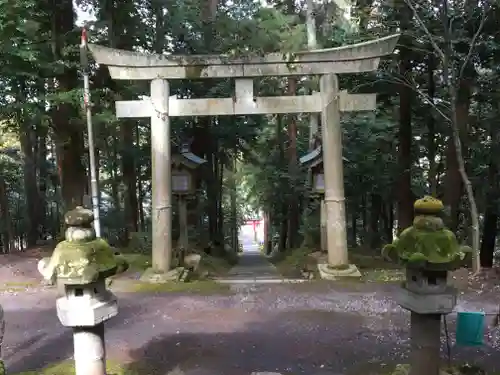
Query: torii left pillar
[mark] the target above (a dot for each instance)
(161, 166)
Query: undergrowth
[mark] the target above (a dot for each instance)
(372, 266)
(68, 368)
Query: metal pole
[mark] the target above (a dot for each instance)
(94, 186)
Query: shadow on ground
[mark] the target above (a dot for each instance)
(50, 345)
(152, 337)
(289, 343)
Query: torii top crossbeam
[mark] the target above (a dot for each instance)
(355, 58)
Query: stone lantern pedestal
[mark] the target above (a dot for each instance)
(85, 308)
(428, 297)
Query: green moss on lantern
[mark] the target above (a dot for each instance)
(427, 242)
(84, 262)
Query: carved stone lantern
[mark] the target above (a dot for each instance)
(81, 264)
(314, 162)
(429, 251)
(184, 167)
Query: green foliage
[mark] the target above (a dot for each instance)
(294, 262)
(197, 287)
(84, 261)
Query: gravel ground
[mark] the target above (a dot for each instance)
(314, 329)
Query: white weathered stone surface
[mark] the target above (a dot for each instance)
(328, 273)
(361, 57)
(151, 276)
(161, 204)
(244, 105)
(96, 305)
(192, 261)
(439, 303)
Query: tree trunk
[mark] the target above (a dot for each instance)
(490, 230)
(209, 13)
(129, 176)
(43, 177)
(7, 233)
(364, 219)
(27, 141)
(293, 204)
(69, 151)
(68, 129)
(387, 220)
(220, 213)
(490, 227)
(140, 192)
(354, 228)
(284, 206)
(293, 167)
(453, 184)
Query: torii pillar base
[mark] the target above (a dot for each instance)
(154, 276)
(327, 272)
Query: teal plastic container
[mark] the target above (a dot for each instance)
(470, 328)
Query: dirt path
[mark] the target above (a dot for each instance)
(297, 329)
(313, 328)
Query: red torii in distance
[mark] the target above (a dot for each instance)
(254, 222)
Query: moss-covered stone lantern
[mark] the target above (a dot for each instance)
(429, 251)
(81, 263)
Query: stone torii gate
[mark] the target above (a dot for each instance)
(159, 69)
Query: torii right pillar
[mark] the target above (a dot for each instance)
(334, 201)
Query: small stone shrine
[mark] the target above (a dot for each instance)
(81, 264)
(429, 251)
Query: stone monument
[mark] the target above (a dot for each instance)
(161, 106)
(429, 251)
(81, 264)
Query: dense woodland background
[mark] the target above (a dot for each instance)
(444, 76)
